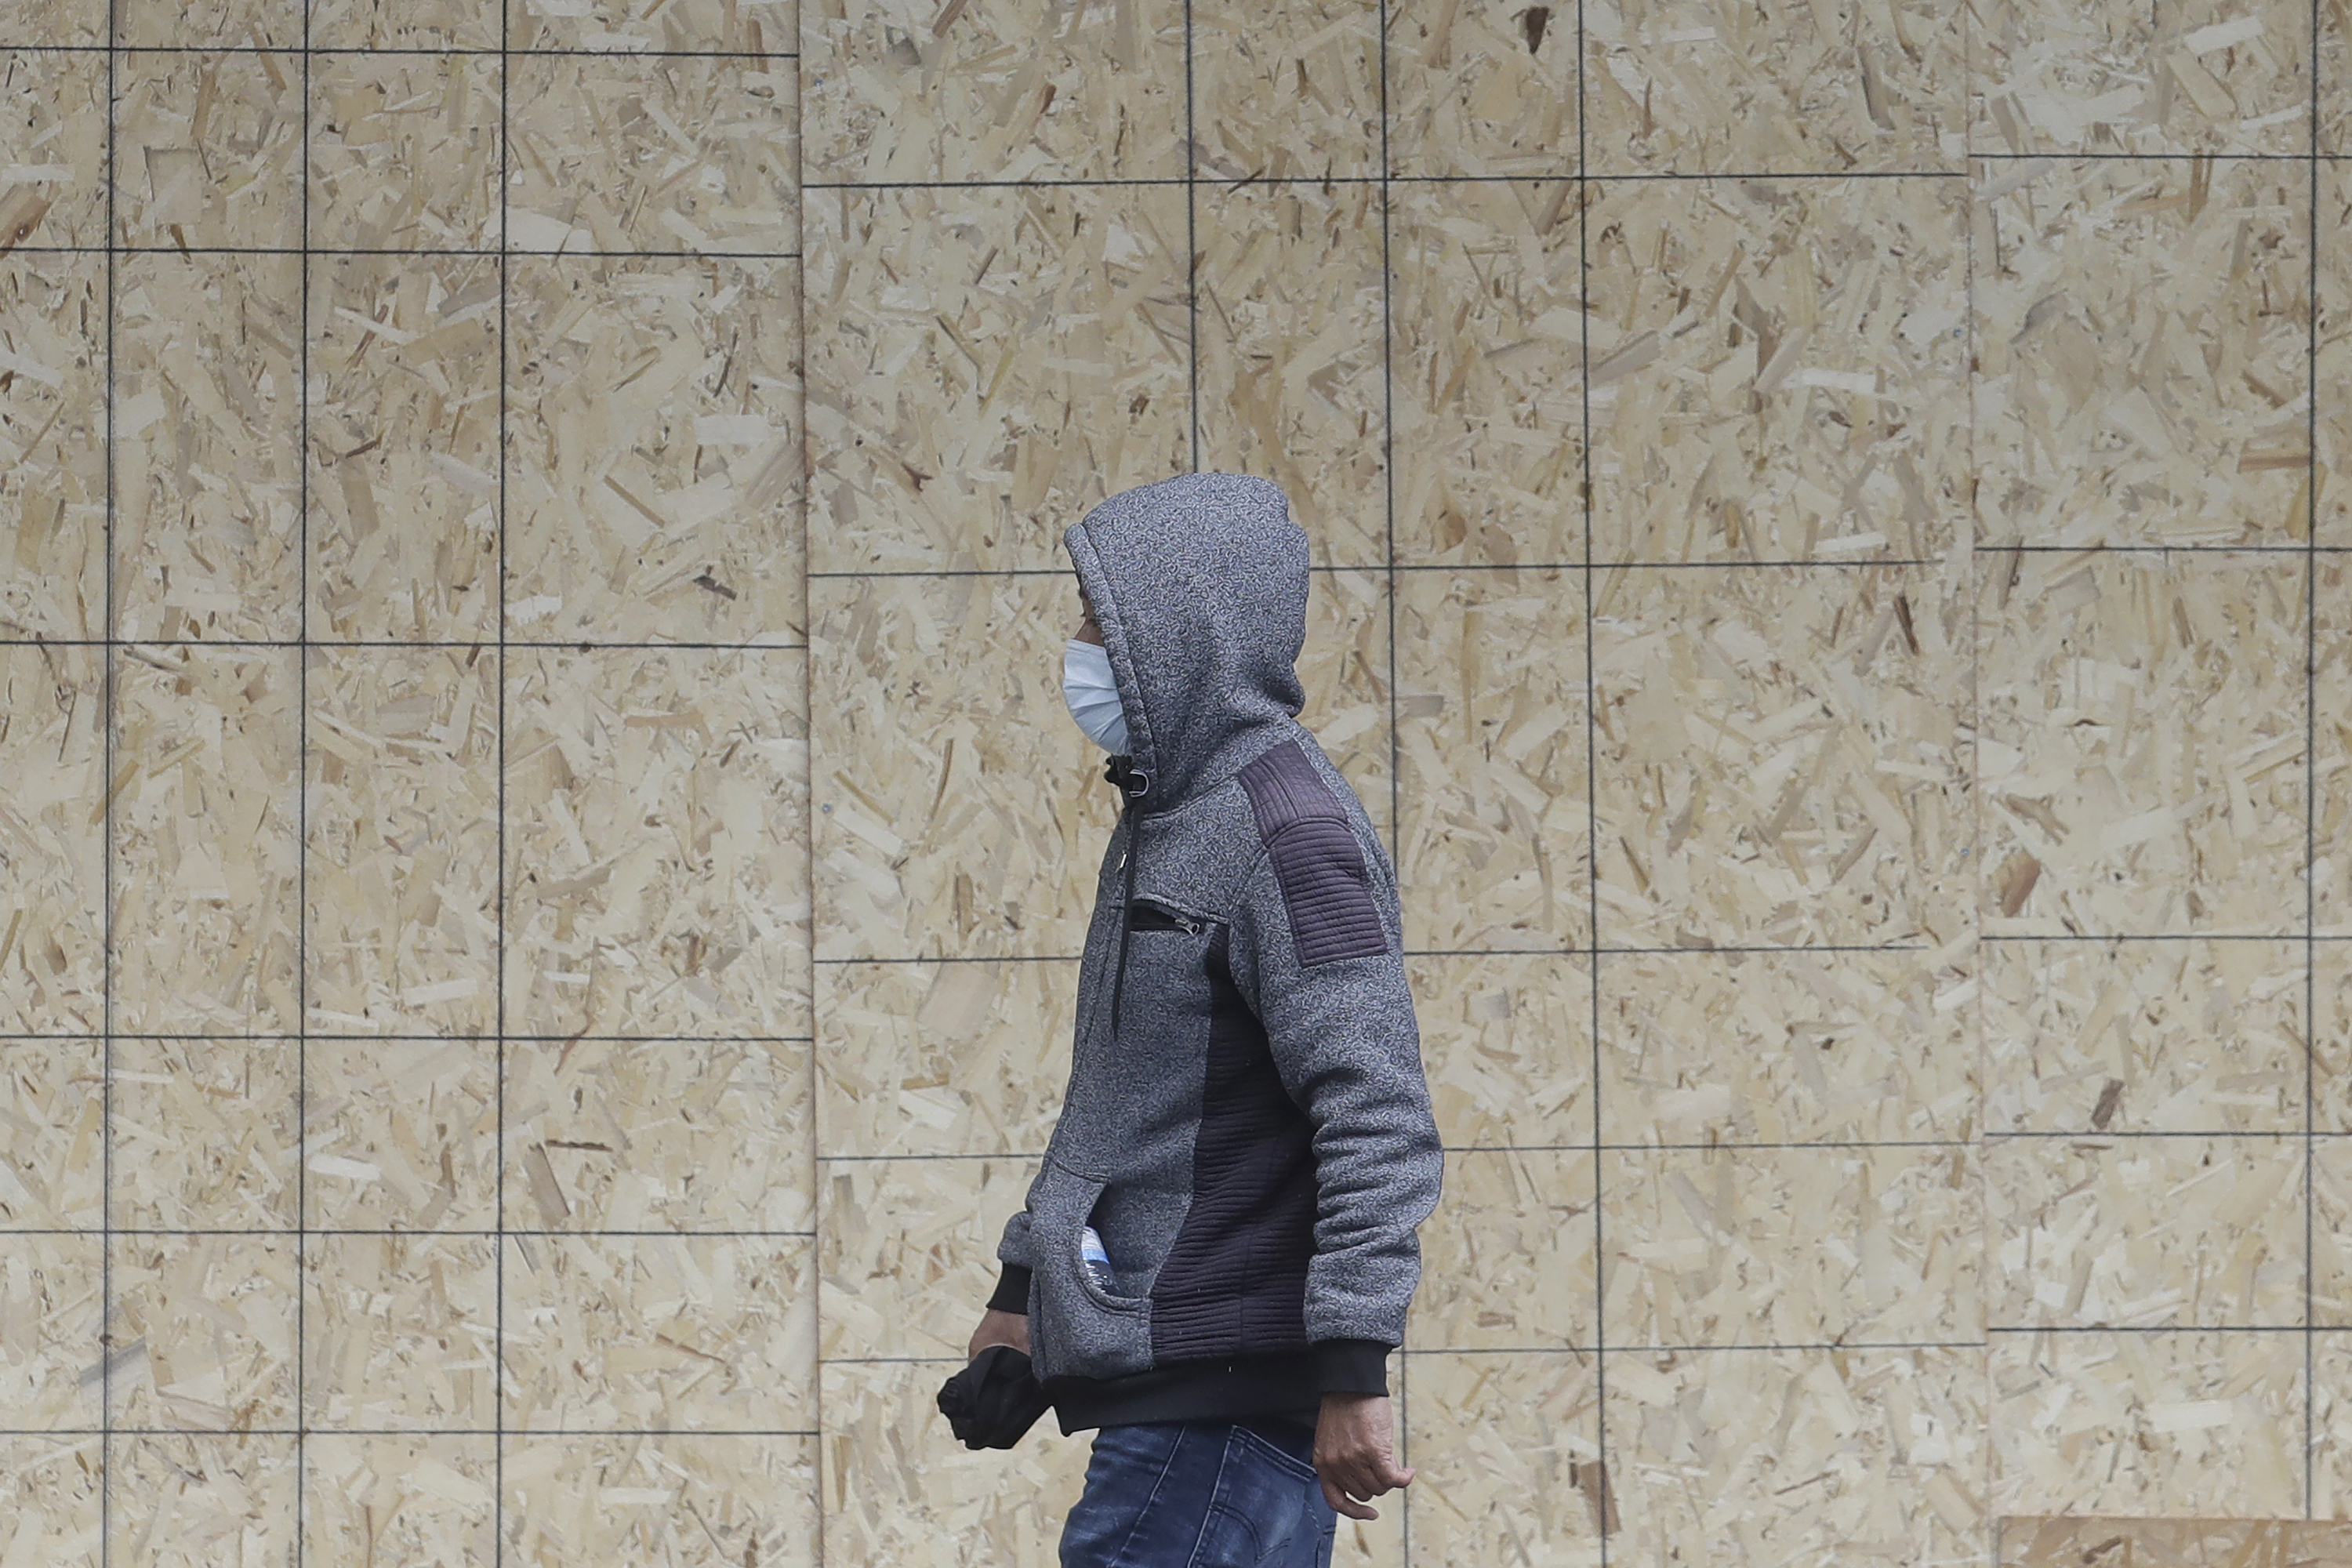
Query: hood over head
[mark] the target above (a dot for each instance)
(1198, 584)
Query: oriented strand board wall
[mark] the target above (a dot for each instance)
(1834, 574)
(404, 893)
(1821, 578)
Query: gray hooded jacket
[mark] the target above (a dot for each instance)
(1246, 1124)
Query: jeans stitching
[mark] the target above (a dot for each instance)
(1216, 1509)
(1166, 1464)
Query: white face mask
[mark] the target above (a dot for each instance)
(1092, 692)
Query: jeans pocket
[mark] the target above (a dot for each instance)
(1280, 1457)
(1259, 1507)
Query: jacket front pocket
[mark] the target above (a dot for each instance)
(1145, 914)
(1078, 1330)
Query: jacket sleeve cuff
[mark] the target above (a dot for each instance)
(1012, 1291)
(1351, 1366)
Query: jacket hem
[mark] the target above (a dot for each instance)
(1228, 1389)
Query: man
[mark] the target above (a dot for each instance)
(1215, 1257)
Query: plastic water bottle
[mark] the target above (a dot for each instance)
(1094, 1260)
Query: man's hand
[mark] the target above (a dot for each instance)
(1355, 1452)
(999, 1329)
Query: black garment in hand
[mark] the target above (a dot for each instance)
(992, 1401)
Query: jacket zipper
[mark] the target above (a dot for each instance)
(1121, 771)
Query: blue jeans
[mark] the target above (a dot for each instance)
(1200, 1494)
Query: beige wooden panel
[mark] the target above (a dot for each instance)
(898, 1488)
(2159, 1037)
(190, 1499)
(2111, 76)
(206, 842)
(208, 150)
(1507, 1260)
(907, 1251)
(671, 1334)
(2047, 1542)
(1486, 88)
(208, 452)
(601, 147)
(2142, 754)
(1289, 321)
(50, 1487)
(2188, 1423)
(959, 812)
(50, 1312)
(1505, 1447)
(401, 1134)
(205, 1327)
(1376, 1543)
(1003, 90)
(232, 22)
(2332, 418)
(1844, 1455)
(1506, 1046)
(649, 889)
(2331, 1448)
(1284, 89)
(404, 447)
(653, 452)
(1488, 371)
(401, 934)
(1345, 671)
(403, 152)
(395, 1501)
(706, 26)
(1781, 1048)
(1757, 1247)
(658, 1134)
(404, 25)
(1694, 87)
(55, 24)
(943, 1058)
(1492, 780)
(2331, 1248)
(53, 191)
(2141, 334)
(204, 1134)
(2145, 1232)
(693, 1501)
(1776, 369)
(2335, 128)
(2331, 1035)
(1783, 755)
(946, 429)
(52, 1163)
(53, 754)
(2331, 870)
(53, 492)
(399, 1331)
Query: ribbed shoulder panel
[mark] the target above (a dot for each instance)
(1317, 863)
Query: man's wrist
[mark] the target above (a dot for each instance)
(1351, 1366)
(1012, 1291)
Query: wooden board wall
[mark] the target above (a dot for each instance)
(540, 854)
(407, 1081)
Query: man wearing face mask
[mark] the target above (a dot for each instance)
(1215, 1257)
